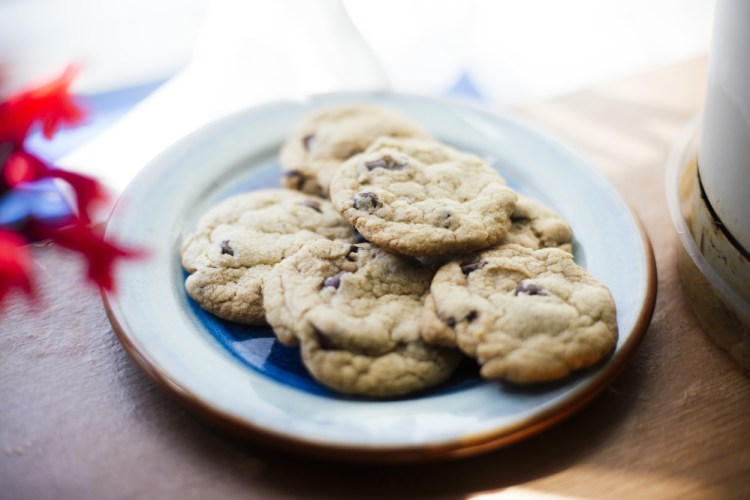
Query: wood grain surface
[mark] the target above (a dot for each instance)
(79, 420)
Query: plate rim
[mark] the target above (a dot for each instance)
(457, 448)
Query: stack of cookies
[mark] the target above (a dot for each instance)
(454, 263)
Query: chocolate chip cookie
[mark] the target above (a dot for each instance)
(419, 197)
(240, 240)
(525, 315)
(324, 139)
(355, 311)
(535, 226)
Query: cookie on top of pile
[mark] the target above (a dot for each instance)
(455, 263)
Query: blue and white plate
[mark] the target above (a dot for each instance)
(241, 378)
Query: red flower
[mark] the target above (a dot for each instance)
(50, 104)
(15, 264)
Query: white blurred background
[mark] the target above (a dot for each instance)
(512, 50)
(207, 58)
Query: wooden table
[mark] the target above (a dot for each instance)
(79, 420)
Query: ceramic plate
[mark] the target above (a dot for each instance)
(241, 378)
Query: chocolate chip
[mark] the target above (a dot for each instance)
(472, 316)
(446, 220)
(529, 289)
(367, 202)
(335, 280)
(296, 177)
(352, 249)
(226, 249)
(451, 322)
(308, 141)
(386, 163)
(468, 267)
(312, 204)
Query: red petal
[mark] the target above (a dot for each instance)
(22, 166)
(88, 191)
(99, 253)
(15, 264)
(50, 104)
